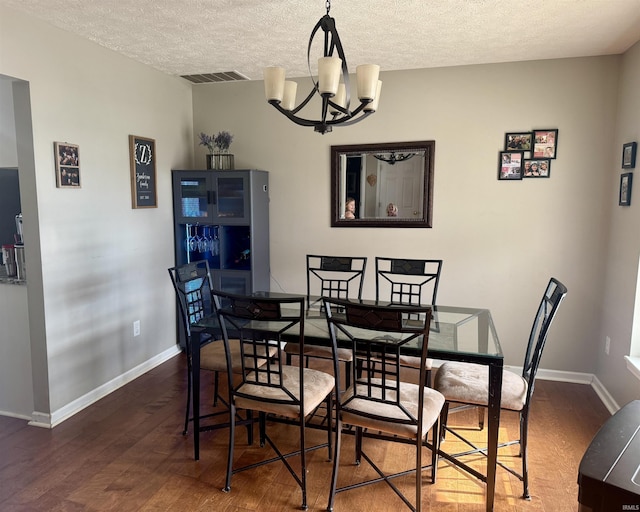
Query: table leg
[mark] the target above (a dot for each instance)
(195, 383)
(495, 394)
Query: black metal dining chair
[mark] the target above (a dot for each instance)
(337, 277)
(380, 401)
(274, 389)
(193, 285)
(468, 383)
(409, 281)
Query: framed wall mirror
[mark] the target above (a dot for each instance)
(382, 185)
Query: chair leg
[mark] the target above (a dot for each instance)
(434, 450)
(443, 421)
(250, 428)
(262, 421)
(481, 411)
(303, 463)
(188, 408)
(524, 428)
(215, 388)
(336, 463)
(330, 423)
(358, 445)
(232, 438)
(418, 473)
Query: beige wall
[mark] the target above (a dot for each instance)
(103, 264)
(623, 242)
(500, 241)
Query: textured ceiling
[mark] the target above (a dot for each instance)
(184, 37)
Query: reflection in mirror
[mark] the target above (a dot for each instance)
(382, 185)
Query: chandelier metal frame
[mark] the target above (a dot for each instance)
(341, 115)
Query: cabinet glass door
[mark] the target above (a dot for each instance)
(194, 197)
(233, 197)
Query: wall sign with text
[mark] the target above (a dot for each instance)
(142, 153)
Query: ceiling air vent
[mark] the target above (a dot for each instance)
(207, 78)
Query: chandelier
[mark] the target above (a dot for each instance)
(335, 95)
(394, 157)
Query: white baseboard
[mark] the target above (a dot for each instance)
(576, 378)
(604, 395)
(40, 419)
(14, 415)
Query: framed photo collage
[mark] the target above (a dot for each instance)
(528, 154)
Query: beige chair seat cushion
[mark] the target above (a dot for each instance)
(409, 395)
(344, 354)
(212, 356)
(469, 383)
(317, 385)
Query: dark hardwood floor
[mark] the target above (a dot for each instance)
(127, 453)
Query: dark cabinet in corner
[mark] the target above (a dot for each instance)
(223, 217)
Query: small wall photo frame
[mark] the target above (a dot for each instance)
(545, 143)
(536, 168)
(67, 157)
(142, 155)
(510, 165)
(625, 189)
(518, 141)
(629, 155)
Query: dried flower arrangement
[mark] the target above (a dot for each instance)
(219, 142)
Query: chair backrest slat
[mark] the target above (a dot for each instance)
(335, 276)
(407, 281)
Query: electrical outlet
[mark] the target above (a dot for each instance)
(607, 345)
(136, 328)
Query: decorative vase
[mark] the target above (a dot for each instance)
(220, 161)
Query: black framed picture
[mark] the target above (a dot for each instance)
(629, 155)
(517, 141)
(510, 165)
(545, 143)
(625, 189)
(67, 164)
(536, 168)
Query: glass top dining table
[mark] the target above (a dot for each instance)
(455, 334)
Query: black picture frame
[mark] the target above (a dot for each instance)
(536, 168)
(67, 164)
(142, 154)
(545, 143)
(629, 155)
(518, 141)
(626, 180)
(510, 165)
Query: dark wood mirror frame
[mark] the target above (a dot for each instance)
(423, 218)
